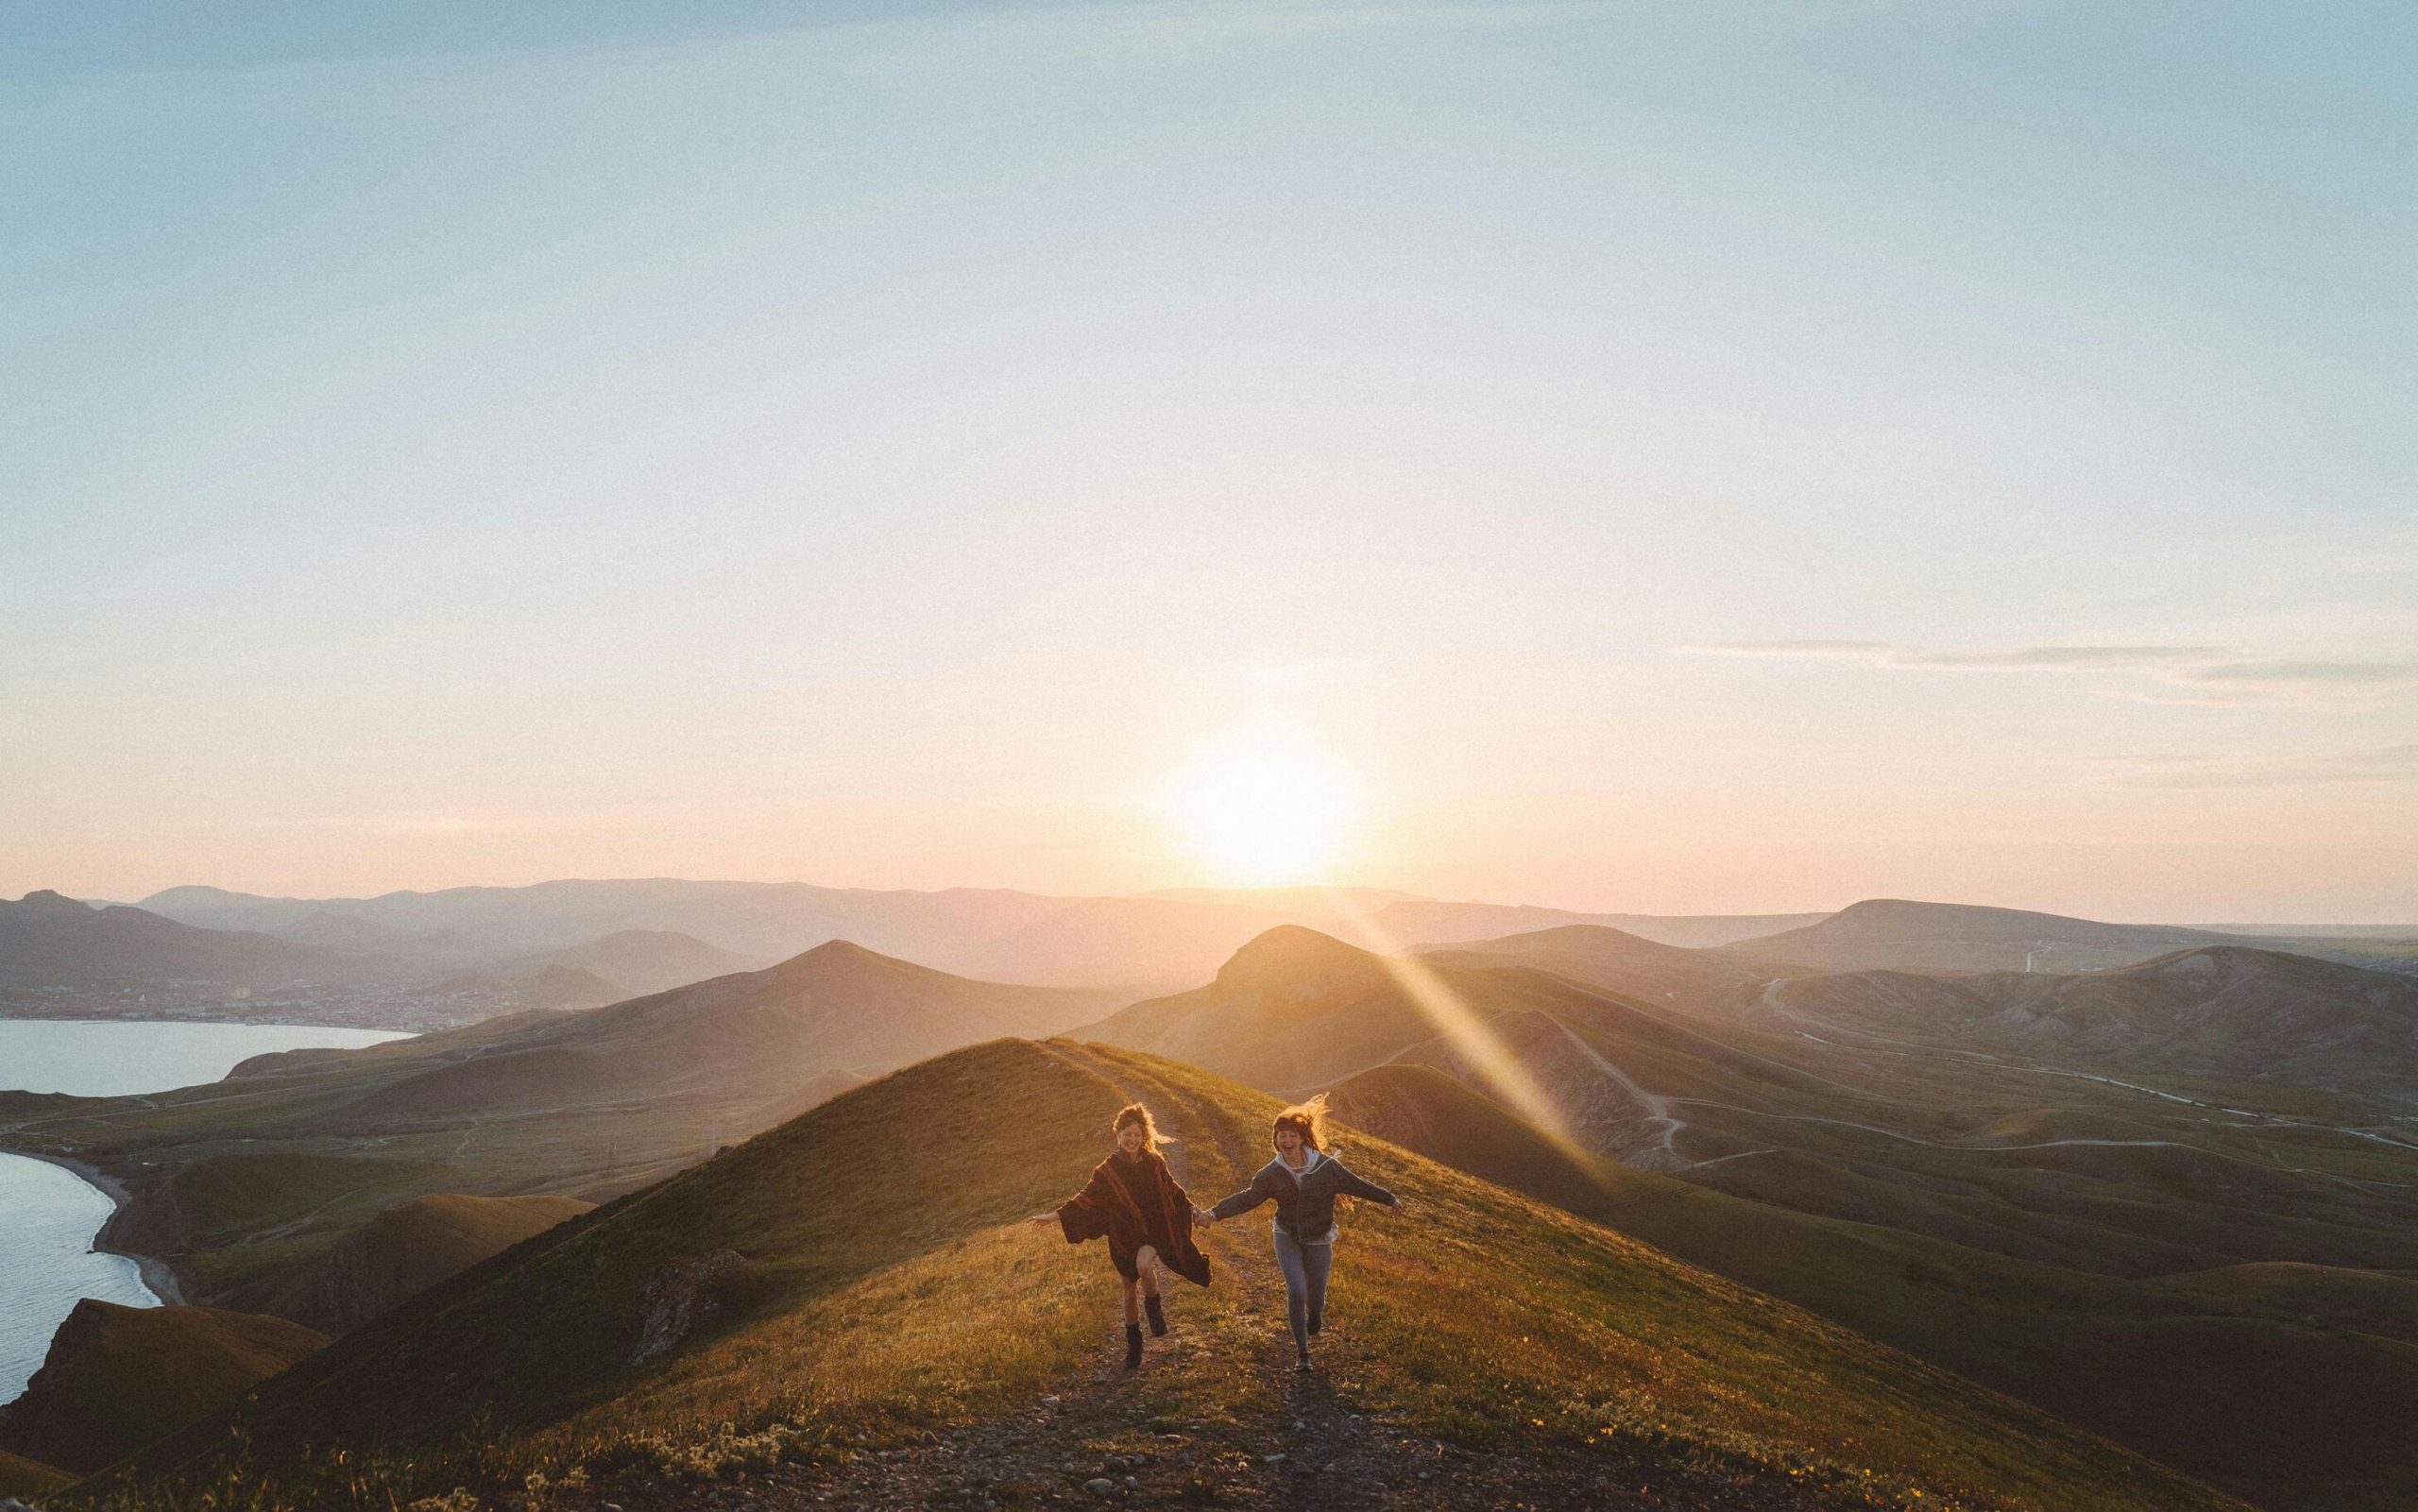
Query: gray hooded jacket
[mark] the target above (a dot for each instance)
(1304, 1199)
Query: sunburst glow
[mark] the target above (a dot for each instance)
(1267, 806)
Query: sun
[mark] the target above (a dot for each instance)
(1264, 808)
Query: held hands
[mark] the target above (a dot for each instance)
(1202, 1217)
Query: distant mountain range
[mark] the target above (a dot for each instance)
(1143, 941)
(1895, 934)
(49, 940)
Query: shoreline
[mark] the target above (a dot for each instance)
(8, 1017)
(156, 1275)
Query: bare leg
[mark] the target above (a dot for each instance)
(1146, 1263)
(1134, 1319)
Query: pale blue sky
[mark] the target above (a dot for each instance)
(479, 444)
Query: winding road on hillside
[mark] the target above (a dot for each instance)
(1871, 1040)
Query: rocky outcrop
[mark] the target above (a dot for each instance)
(679, 1297)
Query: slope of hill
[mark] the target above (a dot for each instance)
(1892, 934)
(837, 1006)
(2222, 1011)
(1424, 922)
(2163, 1368)
(1706, 981)
(1483, 1347)
(554, 988)
(644, 960)
(2122, 1179)
(118, 1378)
(402, 1252)
(50, 941)
(23, 1477)
(237, 1184)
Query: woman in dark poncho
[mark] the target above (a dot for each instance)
(1133, 1202)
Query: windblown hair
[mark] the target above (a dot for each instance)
(1306, 1118)
(1133, 1112)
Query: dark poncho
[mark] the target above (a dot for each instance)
(1133, 1202)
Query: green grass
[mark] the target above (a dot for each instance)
(225, 1197)
(888, 1287)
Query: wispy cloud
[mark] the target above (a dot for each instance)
(2192, 674)
(2016, 659)
(2391, 763)
(2308, 673)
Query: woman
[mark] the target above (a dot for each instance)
(1304, 1182)
(1132, 1200)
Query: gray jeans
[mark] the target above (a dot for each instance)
(1305, 1267)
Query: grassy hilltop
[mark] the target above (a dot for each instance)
(883, 1295)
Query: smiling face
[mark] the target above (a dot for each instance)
(1289, 1143)
(1128, 1139)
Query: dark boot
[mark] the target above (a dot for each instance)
(1132, 1345)
(1158, 1317)
(1315, 1318)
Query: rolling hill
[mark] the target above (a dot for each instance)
(2220, 1011)
(1613, 960)
(1483, 1347)
(241, 1184)
(1892, 934)
(1420, 922)
(2160, 1366)
(551, 988)
(2030, 1162)
(118, 1378)
(402, 1252)
(643, 961)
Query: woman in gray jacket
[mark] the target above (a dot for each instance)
(1304, 1182)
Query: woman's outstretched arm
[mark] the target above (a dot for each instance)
(1082, 1216)
(1243, 1202)
(1351, 1185)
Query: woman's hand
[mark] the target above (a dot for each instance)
(1039, 1218)
(1202, 1217)
(1399, 1204)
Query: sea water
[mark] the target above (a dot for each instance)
(49, 1215)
